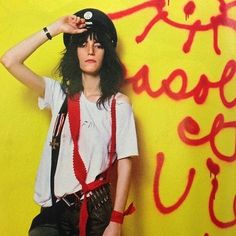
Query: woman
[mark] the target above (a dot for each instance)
(92, 125)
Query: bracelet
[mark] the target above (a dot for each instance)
(49, 36)
(118, 217)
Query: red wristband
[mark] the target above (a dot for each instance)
(118, 217)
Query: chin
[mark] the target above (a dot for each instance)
(91, 72)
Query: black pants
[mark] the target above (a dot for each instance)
(61, 220)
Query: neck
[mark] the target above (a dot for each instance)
(91, 84)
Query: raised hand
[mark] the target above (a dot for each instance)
(67, 24)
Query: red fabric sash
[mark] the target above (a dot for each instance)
(78, 164)
(118, 217)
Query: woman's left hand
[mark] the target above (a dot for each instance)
(113, 229)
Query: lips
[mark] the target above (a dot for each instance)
(90, 61)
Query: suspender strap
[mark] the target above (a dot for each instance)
(74, 121)
(112, 151)
(56, 139)
(113, 131)
(78, 164)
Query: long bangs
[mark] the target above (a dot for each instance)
(97, 34)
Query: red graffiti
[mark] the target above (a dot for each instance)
(222, 19)
(189, 126)
(189, 9)
(215, 169)
(189, 130)
(168, 209)
(140, 83)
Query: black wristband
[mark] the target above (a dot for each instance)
(49, 36)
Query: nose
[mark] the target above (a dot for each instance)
(91, 50)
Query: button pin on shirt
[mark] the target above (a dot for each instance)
(54, 144)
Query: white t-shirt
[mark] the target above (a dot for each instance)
(94, 142)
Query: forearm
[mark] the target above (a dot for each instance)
(14, 58)
(19, 53)
(124, 168)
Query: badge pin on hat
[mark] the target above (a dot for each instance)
(95, 18)
(87, 16)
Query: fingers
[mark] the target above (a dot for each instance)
(74, 25)
(77, 21)
(78, 31)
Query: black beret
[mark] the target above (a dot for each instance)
(95, 18)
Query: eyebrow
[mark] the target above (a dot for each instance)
(95, 41)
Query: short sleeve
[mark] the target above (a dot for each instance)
(52, 88)
(126, 137)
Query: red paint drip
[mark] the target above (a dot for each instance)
(168, 209)
(189, 9)
(215, 169)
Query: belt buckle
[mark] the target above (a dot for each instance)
(67, 202)
(79, 197)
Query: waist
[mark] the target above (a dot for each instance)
(75, 199)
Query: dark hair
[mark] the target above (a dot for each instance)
(111, 72)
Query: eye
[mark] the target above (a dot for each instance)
(98, 45)
(84, 45)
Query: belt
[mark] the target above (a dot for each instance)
(96, 195)
(73, 199)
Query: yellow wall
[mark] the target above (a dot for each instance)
(161, 108)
